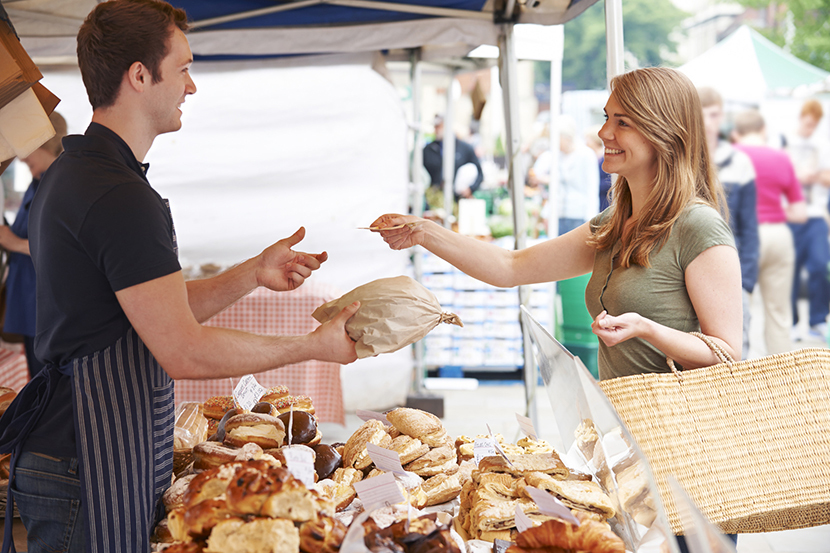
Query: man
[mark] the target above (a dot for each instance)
(774, 180)
(737, 175)
(116, 321)
(812, 249)
(468, 173)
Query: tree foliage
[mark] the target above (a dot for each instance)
(801, 26)
(647, 28)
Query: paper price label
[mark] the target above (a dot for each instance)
(300, 463)
(365, 415)
(549, 505)
(498, 447)
(527, 426)
(248, 392)
(483, 447)
(380, 491)
(523, 521)
(385, 459)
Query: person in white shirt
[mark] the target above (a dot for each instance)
(811, 158)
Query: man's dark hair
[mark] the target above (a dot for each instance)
(117, 34)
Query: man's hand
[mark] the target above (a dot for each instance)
(280, 268)
(333, 342)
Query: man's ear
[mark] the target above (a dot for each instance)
(138, 76)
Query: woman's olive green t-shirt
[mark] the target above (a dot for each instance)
(657, 293)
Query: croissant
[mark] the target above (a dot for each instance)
(589, 536)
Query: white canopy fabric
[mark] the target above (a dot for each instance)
(746, 68)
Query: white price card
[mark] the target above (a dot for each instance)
(385, 459)
(549, 505)
(379, 491)
(523, 521)
(365, 415)
(248, 392)
(498, 447)
(300, 461)
(527, 426)
(483, 447)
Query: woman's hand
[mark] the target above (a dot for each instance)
(410, 232)
(614, 330)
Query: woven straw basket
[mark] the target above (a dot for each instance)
(749, 441)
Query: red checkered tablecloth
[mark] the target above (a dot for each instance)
(14, 373)
(281, 313)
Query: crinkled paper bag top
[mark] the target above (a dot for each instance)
(394, 312)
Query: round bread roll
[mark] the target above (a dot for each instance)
(174, 495)
(264, 430)
(326, 461)
(414, 422)
(217, 406)
(303, 428)
(208, 455)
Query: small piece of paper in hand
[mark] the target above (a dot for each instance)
(549, 505)
(385, 459)
(523, 521)
(248, 392)
(413, 224)
(379, 491)
(527, 426)
(365, 415)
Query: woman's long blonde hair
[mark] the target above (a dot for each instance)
(664, 107)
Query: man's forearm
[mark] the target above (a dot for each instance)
(209, 296)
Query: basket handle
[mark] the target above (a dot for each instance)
(722, 355)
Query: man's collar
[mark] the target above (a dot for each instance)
(112, 139)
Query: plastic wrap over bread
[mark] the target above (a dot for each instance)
(394, 312)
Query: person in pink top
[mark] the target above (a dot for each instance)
(775, 180)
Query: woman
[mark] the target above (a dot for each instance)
(20, 283)
(662, 258)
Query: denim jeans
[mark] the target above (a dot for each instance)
(47, 492)
(812, 250)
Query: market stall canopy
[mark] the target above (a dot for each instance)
(746, 68)
(441, 28)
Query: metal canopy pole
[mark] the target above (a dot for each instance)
(416, 178)
(448, 156)
(515, 182)
(614, 62)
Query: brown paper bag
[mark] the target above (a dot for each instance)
(394, 312)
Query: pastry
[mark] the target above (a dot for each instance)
(575, 494)
(326, 461)
(414, 422)
(264, 430)
(408, 449)
(217, 406)
(434, 458)
(274, 394)
(303, 428)
(202, 517)
(534, 446)
(265, 408)
(441, 488)
(272, 492)
(355, 453)
(7, 395)
(257, 536)
(173, 497)
(208, 455)
(548, 463)
(589, 536)
(322, 535)
(219, 435)
(297, 403)
(182, 547)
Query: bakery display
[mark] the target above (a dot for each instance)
(7, 395)
(239, 496)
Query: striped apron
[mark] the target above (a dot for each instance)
(124, 414)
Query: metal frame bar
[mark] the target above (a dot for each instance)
(366, 4)
(615, 52)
